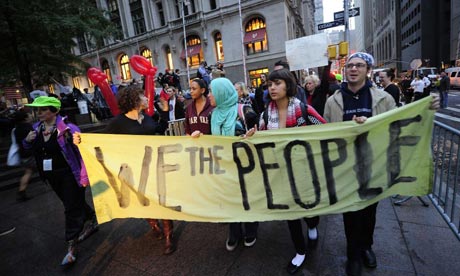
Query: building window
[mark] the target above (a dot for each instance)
(106, 68)
(169, 57)
(161, 13)
(219, 46)
(254, 76)
(137, 15)
(194, 53)
(76, 82)
(147, 54)
(115, 17)
(124, 66)
(213, 4)
(82, 44)
(255, 37)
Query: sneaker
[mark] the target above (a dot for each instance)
(312, 234)
(248, 242)
(71, 255)
(6, 231)
(231, 244)
(91, 226)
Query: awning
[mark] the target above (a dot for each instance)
(254, 36)
(191, 51)
(12, 93)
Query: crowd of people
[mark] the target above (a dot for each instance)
(218, 106)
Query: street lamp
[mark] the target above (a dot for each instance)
(183, 4)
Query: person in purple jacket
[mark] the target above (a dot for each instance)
(60, 164)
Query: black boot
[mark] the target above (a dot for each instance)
(22, 196)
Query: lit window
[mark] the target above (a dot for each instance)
(147, 54)
(106, 68)
(254, 76)
(219, 46)
(124, 66)
(169, 57)
(256, 36)
(194, 52)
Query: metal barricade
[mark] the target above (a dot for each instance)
(176, 128)
(445, 194)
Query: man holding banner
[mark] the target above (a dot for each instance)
(357, 100)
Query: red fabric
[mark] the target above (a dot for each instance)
(191, 51)
(254, 36)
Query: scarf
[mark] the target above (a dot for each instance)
(223, 118)
(293, 113)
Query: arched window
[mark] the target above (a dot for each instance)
(124, 66)
(147, 54)
(169, 57)
(255, 37)
(106, 68)
(194, 53)
(219, 46)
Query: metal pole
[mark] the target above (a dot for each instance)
(345, 20)
(98, 59)
(185, 42)
(242, 44)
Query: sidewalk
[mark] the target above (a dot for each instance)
(409, 240)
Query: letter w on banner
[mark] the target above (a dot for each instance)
(274, 175)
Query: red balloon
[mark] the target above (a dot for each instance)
(100, 78)
(143, 66)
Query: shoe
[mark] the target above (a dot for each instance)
(71, 256)
(369, 259)
(22, 196)
(156, 229)
(231, 244)
(354, 268)
(248, 242)
(91, 226)
(169, 245)
(7, 230)
(292, 268)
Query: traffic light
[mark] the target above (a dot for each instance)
(332, 51)
(343, 48)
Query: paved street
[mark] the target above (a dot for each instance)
(409, 240)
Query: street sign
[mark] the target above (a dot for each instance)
(351, 13)
(329, 25)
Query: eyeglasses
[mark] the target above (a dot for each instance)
(43, 109)
(357, 65)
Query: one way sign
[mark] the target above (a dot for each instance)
(351, 13)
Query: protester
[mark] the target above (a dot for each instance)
(444, 86)
(60, 164)
(23, 125)
(358, 100)
(223, 122)
(316, 97)
(198, 111)
(218, 71)
(285, 111)
(301, 95)
(170, 107)
(386, 80)
(407, 90)
(261, 93)
(419, 86)
(203, 72)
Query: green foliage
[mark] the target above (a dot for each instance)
(38, 35)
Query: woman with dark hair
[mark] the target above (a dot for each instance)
(60, 163)
(223, 122)
(198, 111)
(23, 126)
(131, 120)
(284, 111)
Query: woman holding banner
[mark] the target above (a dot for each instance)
(223, 122)
(131, 120)
(198, 111)
(284, 110)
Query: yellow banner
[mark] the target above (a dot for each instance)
(274, 175)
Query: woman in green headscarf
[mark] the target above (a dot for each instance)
(224, 97)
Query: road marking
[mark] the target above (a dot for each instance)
(454, 109)
(455, 119)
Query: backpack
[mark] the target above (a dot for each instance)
(310, 115)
